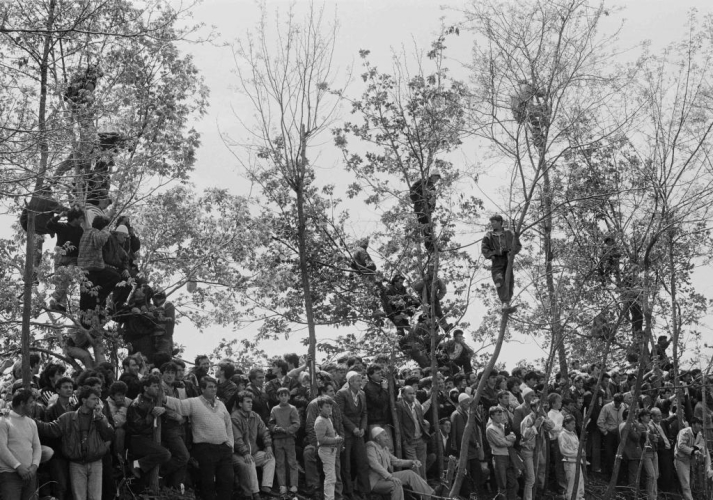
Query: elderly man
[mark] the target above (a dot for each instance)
(414, 429)
(352, 406)
(383, 479)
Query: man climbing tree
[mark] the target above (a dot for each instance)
(423, 196)
(496, 246)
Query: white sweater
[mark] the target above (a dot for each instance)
(19, 442)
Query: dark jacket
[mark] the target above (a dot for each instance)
(114, 254)
(44, 208)
(459, 419)
(633, 448)
(408, 425)
(420, 202)
(261, 405)
(378, 408)
(397, 300)
(247, 427)
(226, 391)
(354, 415)
(68, 236)
(139, 420)
(500, 244)
(133, 383)
(96, 445)
(423, 289)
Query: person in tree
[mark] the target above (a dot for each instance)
(496, 246)
(361, 261)
(44, 206)
(427, 288)
(609, 262)
(164, 320)
(459, 353)
(132, 245)
(423, 197)
(399, 304)
(528, 105)
(69, 234)
(96, 205)
(116, 259)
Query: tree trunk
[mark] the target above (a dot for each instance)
(44, 155)
(392, 403)
(676, 330)
(470, 424)
(153, 478)
(304, 271)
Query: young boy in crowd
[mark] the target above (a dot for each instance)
(328, 442)
(284, 424)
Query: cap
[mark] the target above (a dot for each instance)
(351, 375)
(496, 217)
(376, 431)
(462, 397)
(435, 172)
(122, 229)
(526, 392)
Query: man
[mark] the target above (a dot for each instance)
(279, 369)
(569, 448)
(496, 246)
(399, 305)
(428, 286)
(383, 479)
(505, 474)
(459, 353)
(163, 330)
(611, 415)
(261, 405)
(414, 429)
(504, 404)
(173, 431)
(69, 234)
(140, 418)
(212, 438)
(227, 389)
(444, 435)
(131, 376)
(247, 428)
(521, 412)
(534, 430)
(664, 450)
(690, 447)
(423, 196)
(352, 405)
(116, 259)
(361, 260)
(20, 449)
(86, 434)
(199, 370)
(477, 467)
(310, 451)
(58, 465)
(558, 483)
(649, 458)
(378, 403)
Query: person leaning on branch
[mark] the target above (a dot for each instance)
(496, 246)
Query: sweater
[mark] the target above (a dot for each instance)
(210, 423)
(285, 417)
(569, 445)
(90, 249)
(326, 435)
(496, 437)
(19, 442)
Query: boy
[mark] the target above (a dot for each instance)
(118, 406)
(328, 442)
(284, 423)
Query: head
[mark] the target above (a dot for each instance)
(618, 400)
(379, 435)
(118, 391)
(496, 222)
(496, 414)
(245, 401)
(656, 415)
(75, 217)
(122, 233)
(180, 369)
(168, 372)
(203, 362)
(555, 401)
(644, 416)
(279, 367)
(445, 425)
(458, 335)
(569, 423)
(503, 399)
(130, 365)
(100, 222)
(209, 387)
(464, 401)
(292, 360)
(89, 398)
(257, 377)
(531, 379)
(435, 176)
(283, 396)
(225, 370)
(150, 386)
(375, 374)
(408, 394)
(64, 387)
(354, 381)
(324, 405)
(159, 298)
(696, 425)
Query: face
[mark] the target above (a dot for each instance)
(656, 416)
(152, 390)
(382, 439)
(557, 404)
(277, 370)
(409, 395)
(246, 404)
(449, 385)
(496, 224)
(355, 382)
(570, 425)
(464, 404)
(133, 367)
(205, 364)
(118, 398)
(65, 390)
(210, 391)
(122, 237)
(169, 377)
(579, 383)
(326, 410)
(645, 419)
(259, 379)
(156, 371)
(446, 427)
(92, 401)
(180, 373)
(491, 381)
(696, 428)
(497, 417)
(617, 404)
(533, 405)
(27, 408)
(330, 391)
(283, 398)
(377, 376)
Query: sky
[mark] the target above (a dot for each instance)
(384, 27)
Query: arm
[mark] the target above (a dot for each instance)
(320, 429)
(373, 458)
(496, 438)
(266, 438)
(362, 421)
(5, 454)
(239, 443)
(348, 424)
(106, 431)
(229, 429)
(180, 406)
(272, 422)
(49, 429)
(683, 445)
(601, 421)
(486, 247)
(294, 422)
(36, 449)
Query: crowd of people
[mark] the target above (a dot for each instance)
(227, 433)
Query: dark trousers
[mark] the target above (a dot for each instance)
(557, 479)
(103, 281)
(12, 487)
(473, 480)
(667, 474)
(215, 463)
(498, 270)
(59, 473)
(148, 453)
(174, 471)
(611, 443)
(355, 454)
(505, 477)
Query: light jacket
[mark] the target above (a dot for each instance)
(246, 429)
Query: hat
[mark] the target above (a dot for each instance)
(435, 172)
(526, 392)
(351, 375)
(122, 229)
(376, 431)
(462, 397)
(497, 217)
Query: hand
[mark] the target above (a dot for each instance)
(158, 411)
(268, 454)
(248, 459)
(356, 432)
(24, 472)
(125, 274)
(539, 421)
(415, 464)
(339, 439)
(395, 480)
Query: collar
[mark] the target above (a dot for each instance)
(212, 404)
(14, 414)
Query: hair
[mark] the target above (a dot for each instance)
(281, 364)
(118, 388)
(90, 381)
(150, 380)
(180, 363)
(373, 368)
(242, 396)
(499, 380)
(512, 382)
(324, 400)
(75, 213)
(204, 381)
(618, 397)
(643, 413)
(61, 381)
(568, 418)
(553, 397)
(694, 420)
(50, 371)
(531, 375)
(227, 368)
(352, 360)
(322, 389)
(169, 367)
(253, 373)
(503, 394)
(292, 358)
(200, 358)
(127, 361)
(283, 390)
(567, 401)
(86, 391)
(516, 372)
(100, 222)
(21, 396)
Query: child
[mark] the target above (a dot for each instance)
(118, 407)
(284, 423)
(328, 443)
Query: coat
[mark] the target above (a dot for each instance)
(407, 423)
(99, 437)
(247, 428)
(354, 416)
(378, 404)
